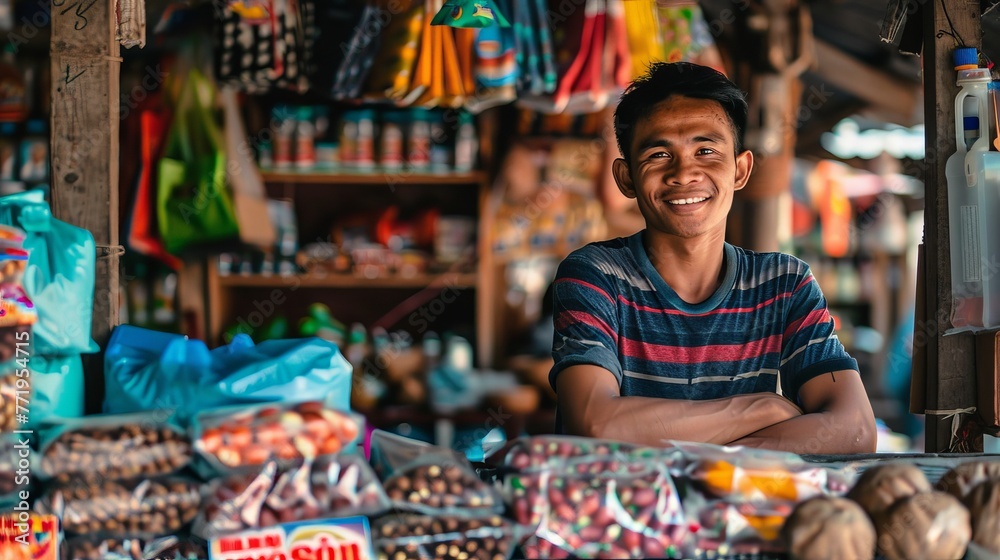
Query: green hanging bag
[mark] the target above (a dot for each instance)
(193, 202)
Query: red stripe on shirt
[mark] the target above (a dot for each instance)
(719, 311)
(814, 317)
(700, 354)
(586, 285)
(569, 318)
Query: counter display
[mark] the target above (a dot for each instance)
(541, 497)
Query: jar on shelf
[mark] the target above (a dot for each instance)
(466, 144)
(418, 153)
(283, 126)
(391, 141)
(349, 139)
(305, 139)
(365, 156)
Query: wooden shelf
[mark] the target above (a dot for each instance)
(452, 279)
(388, 178)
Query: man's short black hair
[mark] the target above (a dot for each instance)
(665, 79)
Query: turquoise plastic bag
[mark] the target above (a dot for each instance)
(147, 371)
(59, 277)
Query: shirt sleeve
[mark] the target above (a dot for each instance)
(586, 319)
(810, 346)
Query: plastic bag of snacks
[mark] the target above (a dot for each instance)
(599, 508)
(40, 533)
(233, 437)
(430, 537)
(437, 483)
(390, 452)
(741, 475)
(539, 451)
(153, 507)
(134, 548)
(113, 447)
(330, 486)
(725, 529)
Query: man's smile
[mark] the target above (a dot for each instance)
(685, 201)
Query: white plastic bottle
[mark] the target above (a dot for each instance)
(967, 205)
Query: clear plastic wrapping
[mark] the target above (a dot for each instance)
(436, 483)
(539, 451)
(592, 507)
(330, 486)
(234, 437)
(446, 537)
(113, 447)
(150, 507)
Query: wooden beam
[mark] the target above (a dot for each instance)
(951, 368)
(898, 98)
(85, 72)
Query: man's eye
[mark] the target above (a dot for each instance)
(657, 155)
(705, 151)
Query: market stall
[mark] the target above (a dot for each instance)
(398, 167)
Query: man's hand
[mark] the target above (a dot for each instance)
(591, 405)
(838, 419)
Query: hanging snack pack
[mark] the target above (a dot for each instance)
(263, 44)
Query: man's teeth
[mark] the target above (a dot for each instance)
(687, 200)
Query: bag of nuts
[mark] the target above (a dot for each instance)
(230, 438)
(593, 508)
(329, 486)
(540, 451)
(113, 447)
(439, 483)
(151, 507)
(445, 537)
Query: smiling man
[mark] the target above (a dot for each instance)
(673, 333)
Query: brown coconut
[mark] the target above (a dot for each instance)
(827, 528)
(984, 507)
(926, 526)
(960, 480)
(881, 486)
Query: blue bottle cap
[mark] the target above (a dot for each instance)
(965, 57)
(970, 123)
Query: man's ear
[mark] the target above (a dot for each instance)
(619, 168)
(744, 165)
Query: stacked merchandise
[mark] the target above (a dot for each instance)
(552, 56)
(282, 477)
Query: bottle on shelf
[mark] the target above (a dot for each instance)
(391, 145)
(466, 144)
(305, 139)
(283, 133)
(418, 153)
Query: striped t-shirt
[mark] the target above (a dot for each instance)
(766, 329)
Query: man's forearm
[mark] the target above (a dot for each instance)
(820, 432)
(651, 421)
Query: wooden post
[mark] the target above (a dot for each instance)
(85, 72)
(950, 370)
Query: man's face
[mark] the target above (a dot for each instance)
(683, 169)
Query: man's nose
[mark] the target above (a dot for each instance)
(685, 171)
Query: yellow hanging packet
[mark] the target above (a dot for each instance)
(393, 69)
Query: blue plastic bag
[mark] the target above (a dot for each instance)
(147, 370)
(59, 277)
